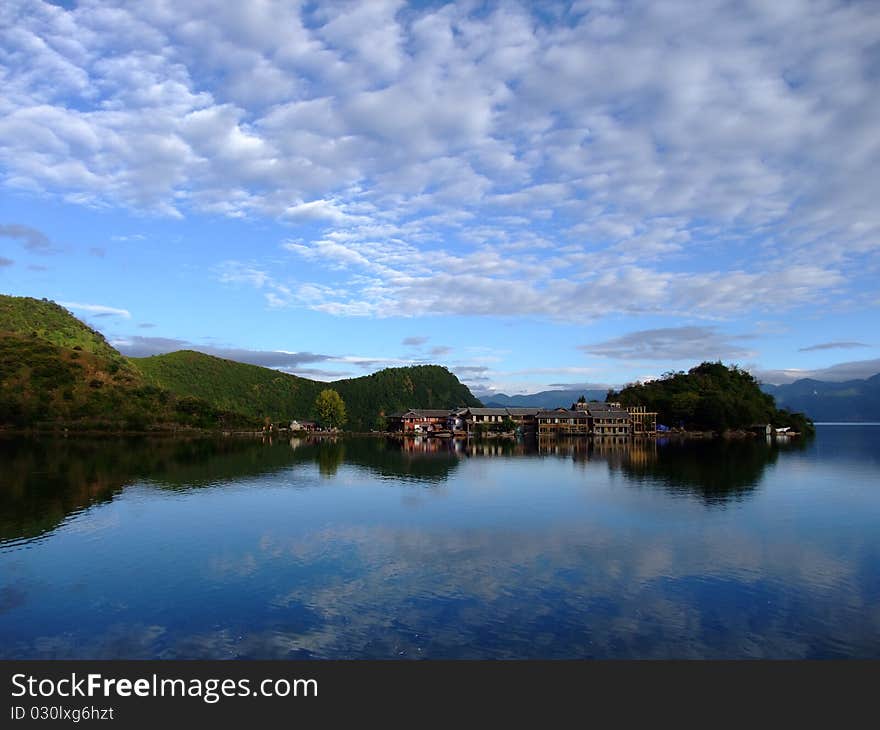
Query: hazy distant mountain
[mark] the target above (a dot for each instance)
(544, 399)
(852, 400)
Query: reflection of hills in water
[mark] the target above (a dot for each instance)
(716, 470)
(412, 459)
(43, 481)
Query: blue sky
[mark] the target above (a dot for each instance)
(590, 194)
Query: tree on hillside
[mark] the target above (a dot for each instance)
(710, 396)
(330, 408)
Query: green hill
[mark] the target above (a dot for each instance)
(57, 372)
(50, 322)
(265, 393)
(710, 396)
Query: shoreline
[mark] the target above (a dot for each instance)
(67, 432)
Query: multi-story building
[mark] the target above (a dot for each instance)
(562, 421)
(643, 420)
(419, 420)
(593, 419)
(608, 419)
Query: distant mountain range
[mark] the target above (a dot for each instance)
(544, 399)
(851, 400)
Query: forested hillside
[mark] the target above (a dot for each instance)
(710, 396)
(57, 371)
(270, 394)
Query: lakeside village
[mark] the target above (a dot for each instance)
(594, 418)
(582, 419)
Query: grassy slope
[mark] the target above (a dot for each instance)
(234, 386)
(56, 371)
(50, 322)
(266, 393)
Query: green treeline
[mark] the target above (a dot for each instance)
(46, 386)
(57, 372)
(710, 396)
(268, 394)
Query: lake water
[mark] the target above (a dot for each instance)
(372, 548)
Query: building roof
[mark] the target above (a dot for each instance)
(487, 411)
(616, 414)
(428, 412)
(523, 411)
(562, 413)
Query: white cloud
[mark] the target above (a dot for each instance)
(615, 148)
(854, 370)
(97, 309)
(487, 282)
(689, 343)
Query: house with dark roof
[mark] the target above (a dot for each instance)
(562, 421)
(609, 419)
(523, 418)
(419, 420)
(486, 415)
(593, 419)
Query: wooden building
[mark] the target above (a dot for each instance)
(609, 419)
(419, 420)
(474, 416)
(525, 418)
(584, 419)
(563, 422)
(643, 420)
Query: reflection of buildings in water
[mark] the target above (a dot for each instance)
(643, 451)
(625, 452)
(496, 447)
(618, 450)
(553, 445)
(424, 445)
(299, 442)
(460, 447)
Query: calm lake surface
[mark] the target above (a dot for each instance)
(373, 548)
